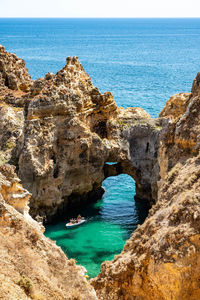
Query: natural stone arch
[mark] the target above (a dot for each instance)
(71, 130)
(124, 182)
(138, 143)
(163, 252)
(123, 168)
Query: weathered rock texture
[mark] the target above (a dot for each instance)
(64, 153)
(65, 130)
(59, 132)
(133, 138)
(161, 260)
(11, 132)
(13, 74)
(32, 266)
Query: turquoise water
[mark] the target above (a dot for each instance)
(110, 222)
(142, 62)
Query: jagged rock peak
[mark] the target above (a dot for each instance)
(68, 91)
(13, 73)
(73, 60)
(72, 76)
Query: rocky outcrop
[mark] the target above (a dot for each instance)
(13, 74)
(64, 152)
(12, 191)
(11, 133)
(63, 131)
(32, 266)
(175, 106)
(133, 137)
(162, 258)
(70, 131)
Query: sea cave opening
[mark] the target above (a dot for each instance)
(110, 222)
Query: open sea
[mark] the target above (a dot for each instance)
(142, 62)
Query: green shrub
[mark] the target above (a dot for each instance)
(26, 284)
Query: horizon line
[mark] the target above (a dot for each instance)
(99, 17)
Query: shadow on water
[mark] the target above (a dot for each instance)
(142, 210)
(73, 254)
(88, 211)
(102, 255)
(68, 235)
(110, 222)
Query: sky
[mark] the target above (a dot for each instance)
(99, 8)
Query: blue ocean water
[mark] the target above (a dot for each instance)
(142, 62)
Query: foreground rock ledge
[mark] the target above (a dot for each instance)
(59, 131)
(32, 266)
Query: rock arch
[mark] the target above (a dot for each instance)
(67, 133)
(55, 128)
(132, 140)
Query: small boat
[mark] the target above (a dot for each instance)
(71, 224)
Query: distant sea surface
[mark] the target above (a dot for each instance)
(142, 62)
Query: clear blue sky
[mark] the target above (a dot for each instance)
(99, 8)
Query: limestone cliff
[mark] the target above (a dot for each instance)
(32, 266)
(161, 260)
(13, 73)
(63, 154)
(60, 131)
(63, 131)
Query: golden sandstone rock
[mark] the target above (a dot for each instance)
(70, 130)
(32, 266)
(13, 73)
(67, 131)
(161, 260)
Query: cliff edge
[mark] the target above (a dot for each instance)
(59, 131)
(32, 266)
(162, 258)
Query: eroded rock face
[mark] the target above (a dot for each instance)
(64, 153)
(32, 266)
(67, 132)
(162, 258)
(134, 139)
(63, 131)
(11, 133)
(13, 74)
(71, 130)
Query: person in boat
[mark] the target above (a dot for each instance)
(79, 218)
